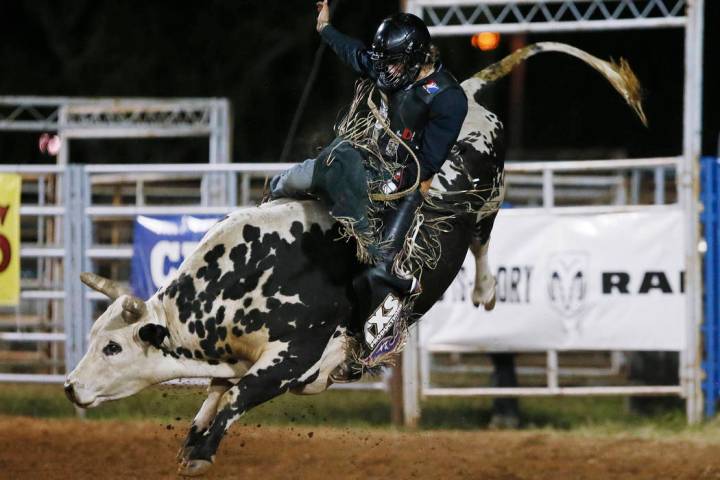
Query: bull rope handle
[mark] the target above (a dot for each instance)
(383, 197)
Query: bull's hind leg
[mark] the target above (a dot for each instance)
(484, 290)
(264, 381)
(206, 414)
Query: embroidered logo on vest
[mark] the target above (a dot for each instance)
(431, 87)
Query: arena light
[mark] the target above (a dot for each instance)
(486, 41)
(49, 144)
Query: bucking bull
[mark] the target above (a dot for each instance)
(265, 303)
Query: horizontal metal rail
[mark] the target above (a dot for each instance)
(33, 169)
(529, 193)
(31, 378)
(588, 210)
(359, 386)
(107, 102)
(141, 131)
(552, 392)
(188, 168)
(110, 211)
(562, 372)
(41, 210)
(517, 178)
(510, 166)
(42, 295)
(588, 25)
(591, 165)
(110, 252)
(32, 337)
(40, 251)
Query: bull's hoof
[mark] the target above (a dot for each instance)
(183, 454)
(484, 293)
(491, 303)
(194, 468)
(346, 372)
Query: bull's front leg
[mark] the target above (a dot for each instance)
(206, 414)
(263, 382)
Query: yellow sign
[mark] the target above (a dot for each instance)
(10, 185)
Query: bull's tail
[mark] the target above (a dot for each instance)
(619, 75)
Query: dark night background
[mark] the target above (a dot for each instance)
(259, 54)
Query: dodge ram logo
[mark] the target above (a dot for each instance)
(567, 282)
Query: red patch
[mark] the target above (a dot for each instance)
(407, 134)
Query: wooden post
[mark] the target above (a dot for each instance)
(397, 410)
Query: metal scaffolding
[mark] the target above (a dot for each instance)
(74, 119)
(447, 17)
(465, 17)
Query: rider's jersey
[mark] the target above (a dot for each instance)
(427, 115)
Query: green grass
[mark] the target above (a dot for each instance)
(591, 415)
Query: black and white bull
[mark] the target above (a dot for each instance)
(265, 303)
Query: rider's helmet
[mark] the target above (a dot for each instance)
(400, 48)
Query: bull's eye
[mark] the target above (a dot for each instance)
(112, 348)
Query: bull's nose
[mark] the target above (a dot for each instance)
(70, 392)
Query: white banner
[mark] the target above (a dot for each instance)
(571, 282)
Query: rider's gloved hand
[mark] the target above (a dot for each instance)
(402, 179)
(323, 19)
(405, 178)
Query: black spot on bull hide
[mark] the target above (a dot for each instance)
(278, 284)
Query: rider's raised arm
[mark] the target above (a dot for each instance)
(350, 50)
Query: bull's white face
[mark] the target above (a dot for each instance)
(118, 361)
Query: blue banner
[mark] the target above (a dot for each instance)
(160, 245)
(710, 217)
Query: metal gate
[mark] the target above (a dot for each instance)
(464, 17)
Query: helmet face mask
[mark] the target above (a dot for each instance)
(393, 71)
(399, 50)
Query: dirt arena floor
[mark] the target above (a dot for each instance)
(37, 449)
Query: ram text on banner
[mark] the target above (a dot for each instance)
(10, 186)
(160, 245)
(571, 282)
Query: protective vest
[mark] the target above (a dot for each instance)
(408, 111)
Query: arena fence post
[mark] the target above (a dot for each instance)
(710, 194)
(74, 239)
(411, 379)
(688, 178)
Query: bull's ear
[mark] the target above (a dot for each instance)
(153, 334)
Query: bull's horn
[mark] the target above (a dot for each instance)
(133, 308)
(103, 285)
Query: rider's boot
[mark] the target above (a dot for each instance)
(398, 224)
(376, 285)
